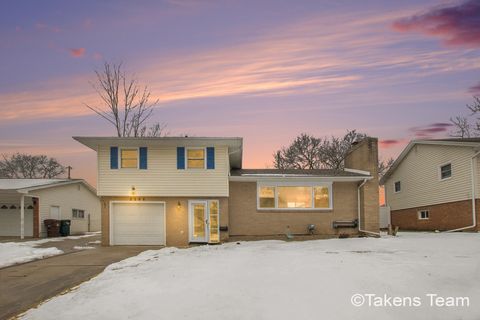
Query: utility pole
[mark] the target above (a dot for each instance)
(69, 168)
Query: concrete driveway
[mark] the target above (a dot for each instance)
(24, 286)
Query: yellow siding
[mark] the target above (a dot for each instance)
(162, 177)
(68, 197)
(420, 180)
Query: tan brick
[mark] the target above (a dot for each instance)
(176, 218)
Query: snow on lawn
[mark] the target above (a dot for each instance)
(20, 252)
(285, 280)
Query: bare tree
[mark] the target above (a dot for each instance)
(30, 166)
(127, 105)
(384, 166)
(463, 128)
(309, 152)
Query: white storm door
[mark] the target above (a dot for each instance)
(198, 218)
(55, 212)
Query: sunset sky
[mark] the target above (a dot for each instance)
(265, 70)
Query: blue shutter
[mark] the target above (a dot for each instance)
(210, 158)
(113, 157)
(180, 157)
(143, 157)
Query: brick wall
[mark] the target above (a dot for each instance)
(246, 220)
(364, 156)
(446, 216)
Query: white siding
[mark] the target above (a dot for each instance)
(420, 180)
(162, 177)
(68, 197)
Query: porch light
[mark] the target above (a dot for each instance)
(133, 191)
(179, 205)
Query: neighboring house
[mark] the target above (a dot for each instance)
(432, 185)
(42, 199)
(179, 190)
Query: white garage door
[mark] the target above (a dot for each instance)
(138, 224)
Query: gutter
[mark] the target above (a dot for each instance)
(377, 234)
(474, 209)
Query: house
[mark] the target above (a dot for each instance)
(26, 203)
(179, 190)
(433, 185)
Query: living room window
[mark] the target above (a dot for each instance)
(423, 215)
(285, 196)
(266, 197)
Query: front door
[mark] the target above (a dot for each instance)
(204, 221)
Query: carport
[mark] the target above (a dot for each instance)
(19, 213)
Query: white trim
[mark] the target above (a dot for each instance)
(281, 178)
(204, 157)
(190, 221)
(120, 158)
(110, 215)
(57, 184)
(311, 184)
(367, 173)
(440, 171)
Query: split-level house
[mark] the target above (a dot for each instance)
(433, 185)
(179, 190)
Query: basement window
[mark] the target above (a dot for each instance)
(423, 215)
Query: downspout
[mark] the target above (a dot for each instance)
(359, 210)
(474, 209)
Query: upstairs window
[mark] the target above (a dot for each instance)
(196, 158)
(397, 186)
(446, 171)
(129, 158)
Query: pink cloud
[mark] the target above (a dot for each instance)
(457, 25)
(97, 56)
(46, 27)
(389, 143)
(475, 89)
(77, 52)
(427, 131)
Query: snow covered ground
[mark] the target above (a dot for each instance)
(287, 280)
(20, 252)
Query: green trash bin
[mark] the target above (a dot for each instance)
(65, 227)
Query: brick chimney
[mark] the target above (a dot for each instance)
(364, 156)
